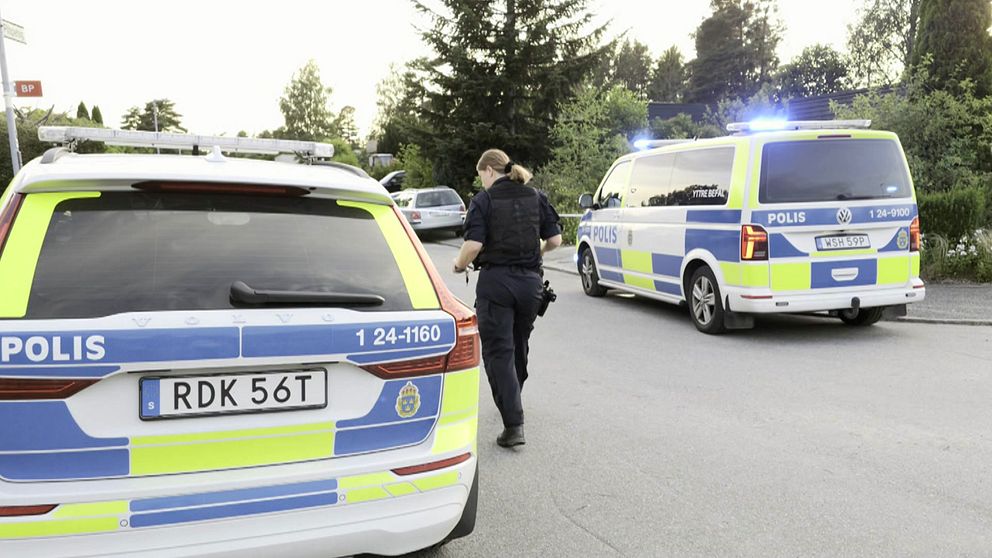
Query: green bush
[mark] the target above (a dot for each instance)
(969, 258)
(954, 213)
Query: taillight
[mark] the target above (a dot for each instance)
(220, 188)
(754, 243)
(915, 237)
(13, 389)
(434, 465)
(466, 353)
(20, 511)
(7, 218)
(403, 369)
(415, 215)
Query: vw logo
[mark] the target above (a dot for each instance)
(844, 216)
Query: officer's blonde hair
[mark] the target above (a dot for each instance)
(499, 161)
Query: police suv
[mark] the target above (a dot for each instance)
(778, 217)
(204, 355)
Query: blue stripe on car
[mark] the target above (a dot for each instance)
(233, 510)
(375, 438)
(228, 496)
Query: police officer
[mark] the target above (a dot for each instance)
(504, 229)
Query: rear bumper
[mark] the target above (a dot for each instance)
(391, 525)
(457, 222)
(741, 300)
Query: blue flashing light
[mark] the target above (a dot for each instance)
(767, 124)
(642, 144)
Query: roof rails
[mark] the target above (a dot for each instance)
(69, 136)
(643, 144)
(782, 125)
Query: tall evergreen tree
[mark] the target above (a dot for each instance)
(500, 70)
(882, 41)
(632, 67)
(819, 70)
(735, 50)
(82, 111)
(668, 78)
(145, 119)
(954, 43)
(97, 115)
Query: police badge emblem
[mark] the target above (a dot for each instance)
(408, 402)
(902, 241)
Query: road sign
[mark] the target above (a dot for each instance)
(14, 32)
(27, 88)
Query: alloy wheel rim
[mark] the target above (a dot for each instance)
(703, 300)
(587, 271)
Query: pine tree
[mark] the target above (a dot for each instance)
(97, 116)
(82, 112)
(668, 78)
(500, 71)
(954, 43)
(735, 50)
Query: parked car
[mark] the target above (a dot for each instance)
(439, 208)
(393, 182)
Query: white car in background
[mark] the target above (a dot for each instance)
(433, 209)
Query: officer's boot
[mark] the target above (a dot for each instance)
(511, 436)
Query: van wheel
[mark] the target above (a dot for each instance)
(861, 316)
(705, 304)
(589, 274)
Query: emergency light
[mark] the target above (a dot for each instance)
(70, 135)
(768, 125)
(643, 144)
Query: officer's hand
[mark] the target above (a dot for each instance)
(456, 268)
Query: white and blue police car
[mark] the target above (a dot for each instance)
(211, 356)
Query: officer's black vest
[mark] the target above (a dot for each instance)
(514, 227)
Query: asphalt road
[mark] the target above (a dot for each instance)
(800, 437)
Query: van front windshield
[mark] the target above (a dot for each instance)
(832, 170)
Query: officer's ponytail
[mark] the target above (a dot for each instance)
(501, 163)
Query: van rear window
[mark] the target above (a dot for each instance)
(832, 170)
(144, 251)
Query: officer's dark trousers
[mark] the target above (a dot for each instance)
(507, 301)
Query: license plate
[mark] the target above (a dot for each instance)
(222, 394)
(842, 242)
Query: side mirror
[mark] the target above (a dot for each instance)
(585, 201)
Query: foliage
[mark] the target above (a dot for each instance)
(954, 35)
(343, 152)
(499, 73)
(818, 70)
(668, 79)
(82, 111)
(419, 170)
(968, 258)
(97, 115)
(379, 171)
(592, 132)
(304, 107)
(735, 50)
(398, 97)
(954, 213)
(883, 41)
(683, 127)
(347, 128)
(632, 67)
(764, 103)
(161, 110)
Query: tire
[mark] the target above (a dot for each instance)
(705, 302)
(457, 232)
(861, 317)
(590, 275)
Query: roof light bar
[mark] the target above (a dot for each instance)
(764, 125)
(68, 135)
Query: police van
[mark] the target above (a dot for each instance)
(207, 355)
(778, 217)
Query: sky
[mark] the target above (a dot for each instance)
(225, 63)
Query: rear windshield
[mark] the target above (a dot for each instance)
(438, 198)
(831, 170)
(141, 252)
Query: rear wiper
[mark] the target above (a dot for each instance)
(243, 294)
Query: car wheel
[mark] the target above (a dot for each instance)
(861, 316)
(589, 274)
(457, 232)
(705, 303)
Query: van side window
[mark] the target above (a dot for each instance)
(650, 181)
(702, 177)
(613, 188)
